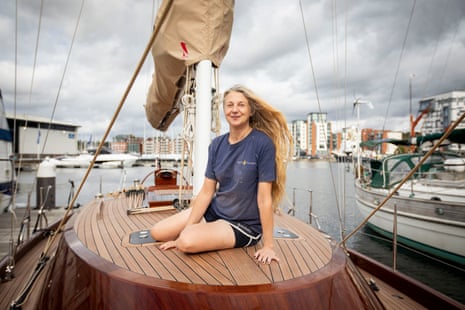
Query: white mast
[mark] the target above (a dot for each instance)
(202, 122)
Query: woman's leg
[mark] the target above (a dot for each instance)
(170, 227)
(205, 236)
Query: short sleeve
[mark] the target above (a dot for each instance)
(266, 161)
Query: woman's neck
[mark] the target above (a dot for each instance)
(236, 136)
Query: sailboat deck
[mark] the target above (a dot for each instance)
(105, 228)
(95, 254)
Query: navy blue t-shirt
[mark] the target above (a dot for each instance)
(238, 168)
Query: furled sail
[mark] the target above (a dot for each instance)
(190, 31)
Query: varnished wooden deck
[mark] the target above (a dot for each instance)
(104, 229)
(96, 267)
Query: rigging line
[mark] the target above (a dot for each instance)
(341, 206)
(441, 75)
(110, 125)
(398, 63)
(36, 50)
(345, 63)
(12, 203)
(318, 100)
(335, 45)
(33, 76)
(152, 21)
(429, 75)
(337, 80)
(16, 77)
(43, 256)
(407, 177)
(310, 56)
(345, 109)
(147, 77)
(63, 75)
(339, 188)
(15, 190)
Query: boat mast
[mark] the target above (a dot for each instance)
(202, 122)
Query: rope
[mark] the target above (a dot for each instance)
(319, 107)
(32, 77)
(188, 104)
(107, 132)
(216, 125)
(398, 63)
(43, 257)
(63, 75)
(12, 204)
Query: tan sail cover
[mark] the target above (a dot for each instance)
(191, 31)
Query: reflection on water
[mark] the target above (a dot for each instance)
(333, 204)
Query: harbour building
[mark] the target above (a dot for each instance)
(443, 109)
(319, 135)
(37, 137)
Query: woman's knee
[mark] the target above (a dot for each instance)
(169, 228)
(186, 242)
(156, 233)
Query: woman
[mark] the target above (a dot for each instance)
(248, 164)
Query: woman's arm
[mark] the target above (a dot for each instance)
(201, 202)
(265, 205)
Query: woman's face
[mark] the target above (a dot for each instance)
(236, 109)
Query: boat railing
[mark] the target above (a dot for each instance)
(388, 174)
(312, 218)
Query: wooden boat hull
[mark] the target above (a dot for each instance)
(81, 276)
(88, 281)
(95, 267)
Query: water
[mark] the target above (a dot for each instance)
(329, 184)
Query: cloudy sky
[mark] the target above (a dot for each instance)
(367, 49)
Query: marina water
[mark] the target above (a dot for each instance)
(325, 188)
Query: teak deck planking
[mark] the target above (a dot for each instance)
(107, 233)
(103, 230)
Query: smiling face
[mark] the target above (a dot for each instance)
(237, 110)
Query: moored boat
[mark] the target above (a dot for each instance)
(112, 160)
(428, 209)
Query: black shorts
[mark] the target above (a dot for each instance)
(243, 234)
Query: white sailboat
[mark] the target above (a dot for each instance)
(112, 160)
(428, 209)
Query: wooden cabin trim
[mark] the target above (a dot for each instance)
(416, 290)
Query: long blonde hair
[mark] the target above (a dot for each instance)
(273, 123)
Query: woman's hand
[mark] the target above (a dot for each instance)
(168, 245)
(266, 255)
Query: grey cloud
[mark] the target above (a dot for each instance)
(268, 53)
